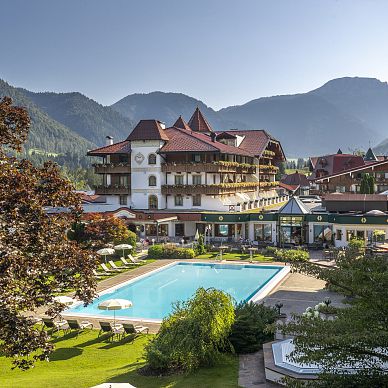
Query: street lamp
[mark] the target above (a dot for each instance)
(153, 241)
(182, 241)
(279, 305)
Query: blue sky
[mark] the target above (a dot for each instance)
(222, 52)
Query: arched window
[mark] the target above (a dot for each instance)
(152, 180)
(151, 159)
(152, 202)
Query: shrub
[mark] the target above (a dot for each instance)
(170, 251)
(200, 248)
(357, 244)
(292, 255)
(194, 334)
(249, 328)
(271, 250)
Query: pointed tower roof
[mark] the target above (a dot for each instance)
(180, 123)
(339, 152)
(294, 206)
(148, 130)
(198, 123)
(370, 156)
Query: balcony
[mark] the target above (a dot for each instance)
(112, 189)
(220, 167)
(112, 168)
(268, 169)
(217, 189)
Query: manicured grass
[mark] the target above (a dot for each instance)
(235, 256)
(119, 263)
(87, 361)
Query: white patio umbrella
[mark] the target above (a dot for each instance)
(106, 252)
(123, 247)
(115, 304)
(63, 299)
(196, 237)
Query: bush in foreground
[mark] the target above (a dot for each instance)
(249, 328)
(169, 251)
(194, 334)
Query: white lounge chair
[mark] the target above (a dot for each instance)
(109, 270)
(100, 274)
(125, 262)
(134, 261)
(114, 266)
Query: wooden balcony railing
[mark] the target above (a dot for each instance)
(112, 189)
(112, 168)
(217, 189)
(234, 167)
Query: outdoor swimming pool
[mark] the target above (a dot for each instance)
(153, 294)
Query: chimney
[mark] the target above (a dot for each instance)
(162, 124)
(109, 140)
(213, 136)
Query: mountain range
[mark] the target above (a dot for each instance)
(347, 113)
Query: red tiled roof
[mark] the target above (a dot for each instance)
(123, 147)
(190, 141)
(296, 179)
(180, 123)
(148, 130)
(288, 187)
(198, 123)
(336, 163)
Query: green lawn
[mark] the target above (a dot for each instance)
(87, 361)
(119, 263)
(235, 256)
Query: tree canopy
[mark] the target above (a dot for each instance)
(36, 259)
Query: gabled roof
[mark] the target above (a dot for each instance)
(294, 206)
(291, 188)
(370, 156)
(180, 123)
(296, 179)
(182, 140)
(123, 147)
(198, 123)
(148, 130)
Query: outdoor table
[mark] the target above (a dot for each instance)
(222, 248)
(251, 250)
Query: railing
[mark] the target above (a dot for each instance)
(216, 189)
(112, 189)
(268, 168)
(221, 166)
(112, 168)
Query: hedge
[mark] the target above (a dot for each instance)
(170, 252)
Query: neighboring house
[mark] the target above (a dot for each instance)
(164, 178)
(296, 184)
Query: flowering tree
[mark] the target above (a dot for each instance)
(359, 333)
(36, 258)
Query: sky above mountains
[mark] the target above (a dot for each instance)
(220, 51)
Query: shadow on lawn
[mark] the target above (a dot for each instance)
(65, 354)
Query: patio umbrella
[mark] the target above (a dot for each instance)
(123, 247)
(196, 237)
(115, 304)
(106, 252)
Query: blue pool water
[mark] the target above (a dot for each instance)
(152, 296)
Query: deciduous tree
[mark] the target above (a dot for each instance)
(36, 258)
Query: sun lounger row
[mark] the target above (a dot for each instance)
(115, 268)
(119, 330)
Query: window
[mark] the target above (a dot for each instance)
(124, 180)
(221, 230)
(338, 234)
(349, 235)
(150, 230)
(123, 199)
(178, 200)
(196, 158)
(197, 200)
(263, 232)
(152, 159)
(179, 230)
(152, 181)
(214, 179)
(179, 179)
(197, 179)
(340, 189)
(152, 202)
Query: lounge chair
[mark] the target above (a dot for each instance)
(129, 328)
(134, 261)
(100, 274)
(75, 325)
(114, 266)
(109, 270)
(125, 262)
(108, 328)
(49, 323)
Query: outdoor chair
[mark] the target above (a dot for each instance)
(100, 274)
(108, 328)
(114, 266)
(109, 270)
(129, 328)
(78, 327)
(49, 323)
(125, 262)
(135, 261)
